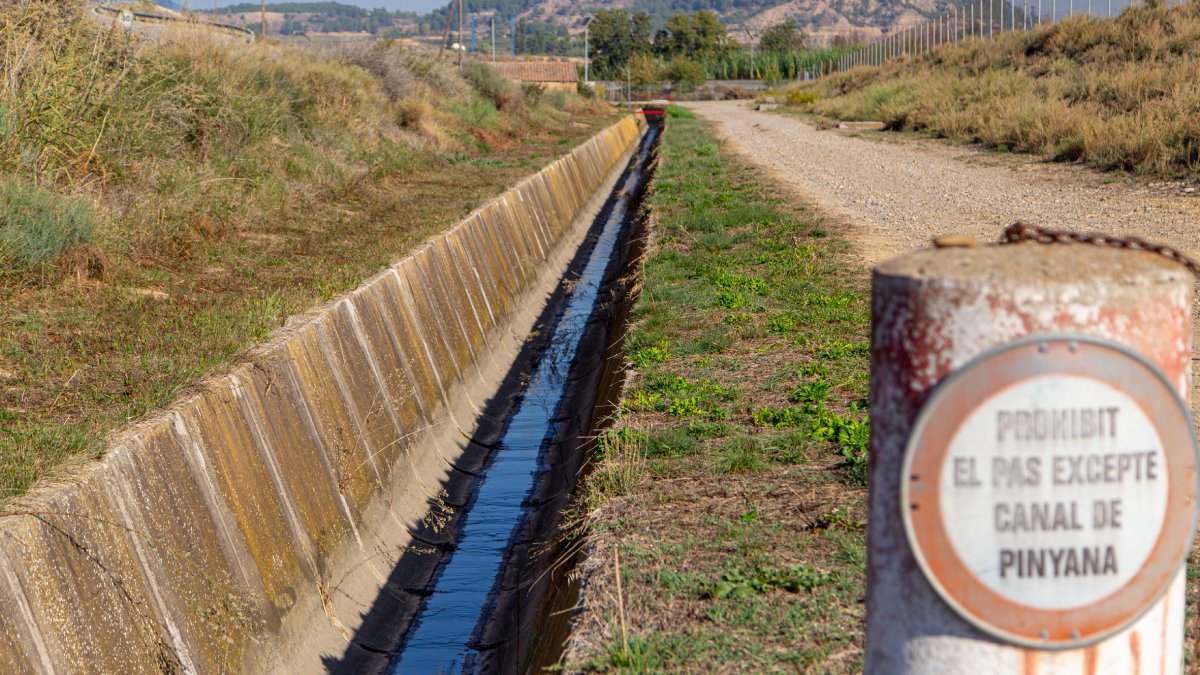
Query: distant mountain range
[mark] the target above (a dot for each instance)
(822, 20)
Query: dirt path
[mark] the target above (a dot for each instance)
(898, 193)
(895, 193)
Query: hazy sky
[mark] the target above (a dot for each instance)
(407, 5)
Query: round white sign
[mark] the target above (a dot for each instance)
(127, 19)
(1050, 489)
(1056, 491)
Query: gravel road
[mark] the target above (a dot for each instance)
(896, 193)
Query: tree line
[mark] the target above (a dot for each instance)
(692, 48)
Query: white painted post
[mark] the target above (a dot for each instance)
(965, 341)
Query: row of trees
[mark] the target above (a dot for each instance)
(691, 48)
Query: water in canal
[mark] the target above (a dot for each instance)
(440, 641)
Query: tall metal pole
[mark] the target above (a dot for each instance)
(262, 31)
(751, 36)
(587, 62)
(493, 39)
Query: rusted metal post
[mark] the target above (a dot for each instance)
(956, 583)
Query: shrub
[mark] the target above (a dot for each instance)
(36, 226)
(492, 85)
(532, 92)
(686, 74)
(403, 72)
(798, 97)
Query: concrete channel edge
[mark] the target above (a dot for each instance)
(247, 527)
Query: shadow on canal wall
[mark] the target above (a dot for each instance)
(255, 524)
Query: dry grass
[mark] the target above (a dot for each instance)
(1118, 94)
(737, 512)
(200, 192)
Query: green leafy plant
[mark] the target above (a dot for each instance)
(686, 407)
(812, 393)
(649, 356)
(737, 583)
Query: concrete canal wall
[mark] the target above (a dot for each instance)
(252, 525)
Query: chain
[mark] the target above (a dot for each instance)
(1021, 232)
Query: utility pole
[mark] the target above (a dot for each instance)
(751, 36)
(446, 30)
(262, 33)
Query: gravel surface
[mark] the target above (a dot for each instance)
(896, 192)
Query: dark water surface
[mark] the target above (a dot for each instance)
(440, 640)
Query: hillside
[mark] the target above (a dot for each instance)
(822, 19)
(165, 205)
(547, 23)
(1118, 94)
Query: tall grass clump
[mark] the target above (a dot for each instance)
(35, 225)
(1118, 94)
(505, 94)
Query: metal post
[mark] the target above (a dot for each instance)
(262, 30)
(460, 31)
(587, 62)
(751, 36)
(472, 32)
(513, 30)
(963, 339)
(494, 43)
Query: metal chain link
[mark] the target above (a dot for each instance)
(1021, 232)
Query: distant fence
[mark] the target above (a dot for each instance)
(615, 90)
(982, 20)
